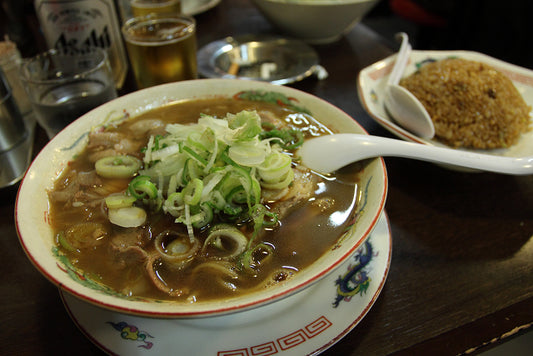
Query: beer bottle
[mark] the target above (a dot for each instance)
(72, 25)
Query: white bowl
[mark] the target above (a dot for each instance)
(32, 214)
(315, 21)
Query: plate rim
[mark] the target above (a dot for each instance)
(383, 224)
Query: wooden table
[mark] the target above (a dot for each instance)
(462, 262)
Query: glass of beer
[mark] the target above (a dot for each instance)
(162, 48)
(147, 7)
(64, 85)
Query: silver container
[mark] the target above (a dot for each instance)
(259, 57)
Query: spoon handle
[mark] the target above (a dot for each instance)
(401, 60)
(335, 151)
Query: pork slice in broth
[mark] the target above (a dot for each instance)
(103, 144)
(303, 187)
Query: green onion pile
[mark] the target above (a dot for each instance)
(213, 170)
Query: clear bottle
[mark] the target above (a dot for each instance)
(74, 24)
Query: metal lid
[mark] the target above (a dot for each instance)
(259, 57)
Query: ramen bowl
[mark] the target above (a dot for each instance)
(37, 238)
(315, 21)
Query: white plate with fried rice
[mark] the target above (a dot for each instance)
(372, 82)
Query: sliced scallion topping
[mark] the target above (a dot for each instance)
(214, 171)
(116, 201)
(117, 166)
(142, 188)
(132, 216)
(193, 192)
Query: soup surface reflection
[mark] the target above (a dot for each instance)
(159, 258)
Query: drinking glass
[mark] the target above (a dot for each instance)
(162, 48)
(146, 7)
(64, 85)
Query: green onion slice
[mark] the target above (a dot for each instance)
(132, 216)
(227, 240)
(116, 201)
(117, 166)
(142, 188)
(193, 192)
(254, 257)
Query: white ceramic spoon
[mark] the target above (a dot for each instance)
(402, 105)
(326, 154)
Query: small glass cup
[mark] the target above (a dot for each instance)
(161, 48)
(63, 86)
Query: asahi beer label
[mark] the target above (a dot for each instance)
(74, 25)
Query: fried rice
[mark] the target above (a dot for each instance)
(471, 104)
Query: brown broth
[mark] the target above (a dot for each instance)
(310, 229)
